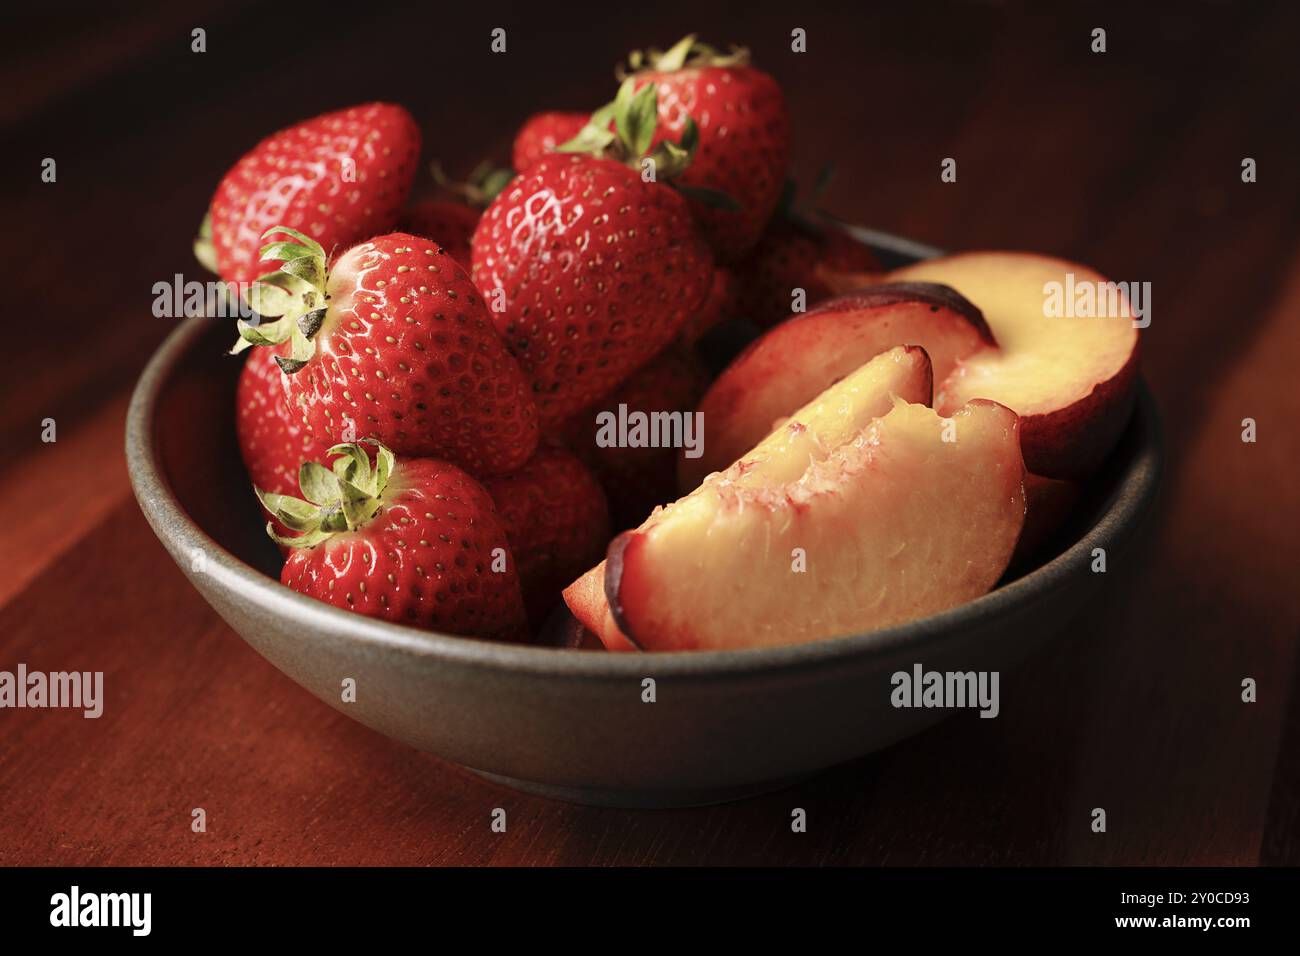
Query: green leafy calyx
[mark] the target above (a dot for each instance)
(337, 499)
(624, 129)
(480, 188)
(293, 297)
(686, 54)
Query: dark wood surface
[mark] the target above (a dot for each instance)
(1129, 161)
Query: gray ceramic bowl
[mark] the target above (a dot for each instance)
(571, 723)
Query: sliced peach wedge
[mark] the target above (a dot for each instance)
(893, 525)
(836, 416)
(862, 510)
(586, 600)
(810, 434)
(1071, 378)
(795, 361)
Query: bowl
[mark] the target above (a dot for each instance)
(576, 724)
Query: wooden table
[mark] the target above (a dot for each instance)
(1128, 160)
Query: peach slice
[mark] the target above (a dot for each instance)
(586, 600)
(1073, 381)
(915, 515)
(796, 360)
(833, 418)
(837, 415)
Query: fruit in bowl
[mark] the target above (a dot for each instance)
(882, 456)
(566, 408)
(573, 724)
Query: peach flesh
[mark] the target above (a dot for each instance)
(796, 360)
(1073, 380)
(894, 525)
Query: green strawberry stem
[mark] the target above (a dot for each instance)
(480, 188)
(634, 116)
(338, 499)
(687, 53)
(294, 296)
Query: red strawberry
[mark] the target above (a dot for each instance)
(272, 442)
(719, 306)
(795, 256)
(447, 222)
(450, 220)
(394, 344)
(541, 134)
(591, 269)
(637, 479)
(415, 541)
(744, 136)
(840, 252)
(601, 276)
(341, 177)
(555, 515)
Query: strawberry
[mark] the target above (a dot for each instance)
(794, 255)
(446, 222)
(718, 306)
(414, 541)
(744, 136)
(637, 479)
(271, 441)
(393, 343)
(450, 219)
(342, 177)
(541, 134)
(556, 518)
(591, 269)
(840, 252)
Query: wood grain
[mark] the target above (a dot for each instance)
(1129, 161)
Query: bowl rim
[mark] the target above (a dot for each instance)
(175, 529)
